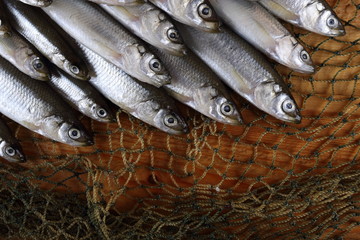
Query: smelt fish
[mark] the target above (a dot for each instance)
(34, 105)
(10, 148)
(143, 101)
(245, 70)
(38, 29)
(150, 24)
(95, 29)
(195, 13)
(256, 25)
(313, 15)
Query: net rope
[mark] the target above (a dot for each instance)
(264, 180)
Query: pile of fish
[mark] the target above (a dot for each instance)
(144, 55)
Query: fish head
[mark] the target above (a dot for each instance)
(36, 66)
(214, 104)
(275, 100)
(77, 70)
(203, 14)
(225, 111)
(74, 134)
(330, 25)
(319, 16)
(166, 33)
(169, 121)
(151, 66)
(101, 113)
(300, 59)
(12, 152)
(160, 114)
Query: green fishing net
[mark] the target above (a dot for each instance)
(264, 180)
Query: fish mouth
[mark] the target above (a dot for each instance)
(212, 27)
(89, 142)
(161, 80)
(307, 69)
(341, 32)
(172, 131)
(297, 119)
(179, 51)
(43, 77)
(336, 33)
(186, 130)
(86, 143)
(22, 159)
(232, 121)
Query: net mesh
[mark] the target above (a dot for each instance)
(264, 180)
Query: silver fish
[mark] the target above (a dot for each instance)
(150, 24)
(23, 56)
(36, 3)
(81, 96)
(312, 15)
(245, 70)
(10, 148)
(196, 13)
(252, 22)
(145, 102)
(196, 85)
(37, 28)
(118, 2)
(102, 34)
(37, 107)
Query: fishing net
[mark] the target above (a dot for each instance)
(264, 180)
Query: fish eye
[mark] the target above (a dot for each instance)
(155, 65)
(170, 121)
(205, 11)
(10, 151)
(288, 106)
(74, 133)
(101, 113)
(173, 35)
(332, 21)
(38, 64)
(304, 55)
(74, 69)
(227, 108)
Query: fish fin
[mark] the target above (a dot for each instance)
(180, 97)
(279, 10)
(266, 38)
(126, 12)
(244, 85)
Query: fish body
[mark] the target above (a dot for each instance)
(150, 24)
(245, 70)
(34, 105)
(141, 100)
(35, 26)
(118, 2)
(81, 95)
(19, 52)
(36, 3)
(92, 27)
(195, 13)
(312, 15)
(10, 148)
(196, 85)
(252, 22)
